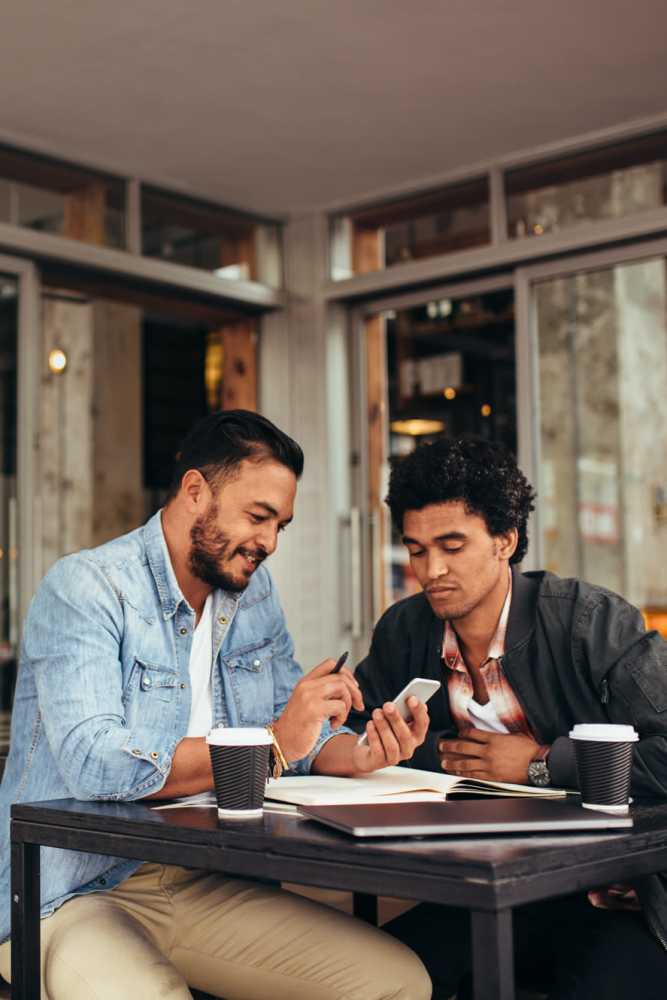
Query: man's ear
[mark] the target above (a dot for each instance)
(195, 491)
(507, 543)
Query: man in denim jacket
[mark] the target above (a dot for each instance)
(131, 653)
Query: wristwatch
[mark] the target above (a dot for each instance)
(539, 774)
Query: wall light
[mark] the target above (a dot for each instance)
(449, 392)
(485, 410)
(57, 361)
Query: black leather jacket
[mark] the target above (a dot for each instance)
(573, 653)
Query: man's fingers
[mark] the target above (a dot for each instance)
(462, 748)
(476, 735)
(420, 720)
(461, 765)
(386, 735)
(353, 687)
(337, 710)
(322, 669)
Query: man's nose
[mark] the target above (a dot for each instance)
(267, 538)
(437, 564)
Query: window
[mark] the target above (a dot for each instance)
(58, 197)
(200, 234)
(603, 183)
(425, 225)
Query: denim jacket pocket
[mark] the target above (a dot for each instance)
(153, 680)
(250, 669)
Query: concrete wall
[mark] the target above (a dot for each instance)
(90, 426)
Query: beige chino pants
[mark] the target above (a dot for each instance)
(167, 928)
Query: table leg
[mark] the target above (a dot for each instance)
(492, 955)
(25, 921)
(365, 907)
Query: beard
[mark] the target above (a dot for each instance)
(211, 549)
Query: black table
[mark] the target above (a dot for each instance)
(488, 876)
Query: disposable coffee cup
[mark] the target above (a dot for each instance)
(240, 761)
(604, 764)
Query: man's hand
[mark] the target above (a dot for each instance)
(615, 897)
(491, 756)
(318, 696)
(390, 738)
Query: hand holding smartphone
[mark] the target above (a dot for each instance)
(420, 688)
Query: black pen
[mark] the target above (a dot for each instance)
(341, 660)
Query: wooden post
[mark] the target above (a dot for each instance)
(240, 250)
(376, 394)
(238, 389)
(366, 250)
(85, 214)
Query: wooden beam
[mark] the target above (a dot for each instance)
(240, 249)
(85, 214)
(376, 395)
(239, 366)
(366, 250)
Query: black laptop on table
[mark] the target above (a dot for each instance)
(475, 816)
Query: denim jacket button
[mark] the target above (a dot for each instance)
(146, 682)
(223, 620)
(256, 663)
(183, 686)
(136, 752)
(154, 755)
(183, 631)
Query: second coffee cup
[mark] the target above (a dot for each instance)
(603, 753)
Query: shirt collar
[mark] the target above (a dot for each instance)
(159, 560)
(451, 653)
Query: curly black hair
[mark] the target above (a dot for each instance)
(482, 474)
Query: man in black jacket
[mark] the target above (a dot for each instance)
(521, 658)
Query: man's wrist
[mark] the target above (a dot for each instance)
(539, 774)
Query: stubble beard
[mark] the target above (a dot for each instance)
(209, 548)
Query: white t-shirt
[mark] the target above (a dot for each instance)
(201, 656)
(485, 717)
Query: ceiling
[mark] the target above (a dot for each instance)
(285, 105)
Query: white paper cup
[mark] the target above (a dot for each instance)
(603, 753)
(240, 762)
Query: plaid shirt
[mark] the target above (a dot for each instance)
(459, 682)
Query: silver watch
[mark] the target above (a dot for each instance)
(539, 774)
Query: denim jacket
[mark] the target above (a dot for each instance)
(103, 690)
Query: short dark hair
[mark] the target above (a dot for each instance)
(482, 474)
(218, 444)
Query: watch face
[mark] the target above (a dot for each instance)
(538, 774)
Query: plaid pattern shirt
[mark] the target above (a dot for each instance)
(459, 682)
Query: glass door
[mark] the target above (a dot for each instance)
(19, 330)
(436, 363)
(597, 336)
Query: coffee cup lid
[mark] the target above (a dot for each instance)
(604, 733)
(243, 736)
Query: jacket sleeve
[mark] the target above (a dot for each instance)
(629, 669)
(286, 675)
(382, 674)
(72, 640)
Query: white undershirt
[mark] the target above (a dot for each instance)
(485, 717)
(201, 655)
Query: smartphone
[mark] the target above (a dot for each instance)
(420, 688)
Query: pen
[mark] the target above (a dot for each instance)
(341, 660)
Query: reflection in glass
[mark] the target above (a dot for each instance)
(603, 385)
(604, 183)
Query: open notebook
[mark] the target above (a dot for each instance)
(396, 784)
